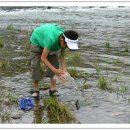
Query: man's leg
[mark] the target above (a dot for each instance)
(36, 85)
(36, 68)
(35, 89)
(53, 59)
(53, 84)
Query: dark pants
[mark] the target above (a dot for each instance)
(37, 72)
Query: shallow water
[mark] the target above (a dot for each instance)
(96, 26)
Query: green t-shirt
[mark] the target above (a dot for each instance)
(47, 35)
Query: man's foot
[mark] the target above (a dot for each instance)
(53, 93)
(35, 93)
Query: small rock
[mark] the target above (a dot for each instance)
(16, 116)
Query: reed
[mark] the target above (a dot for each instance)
(123, 89)
(11, 30)
(73, 71)
(10, 27)
(107, 45)
(7, 98)
(103, 83)
(117, 62)
(1, 42)
(4, 64)
(84, 85)
(126, 50)
(5, 117)
(73, 60)
(58, 112)
(97, 69)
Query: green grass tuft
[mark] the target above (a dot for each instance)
(58, 112)
(107, 45)
(1, 42)
(103, 83)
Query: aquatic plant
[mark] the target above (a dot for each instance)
(123, 89)
(115, 79)
(117, 62)
(103, 83)
(58, 112)
(10, 27)
(4, 64)
(73, 72)
(5, 117)
(126, 48)
(7, 98)
(73, 59)
(114, 61)
(26, 40)
(107, 45)
(12, 99)
(97, 69)
(1, 42)
(38, 113)
(84, 85)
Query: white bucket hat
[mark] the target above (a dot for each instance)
(72, 44)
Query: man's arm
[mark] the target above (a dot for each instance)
(48, 64)
(62, 60)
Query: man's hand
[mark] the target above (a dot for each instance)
(62, 74)
(59, 72)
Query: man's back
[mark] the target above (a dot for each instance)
(47, 35)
